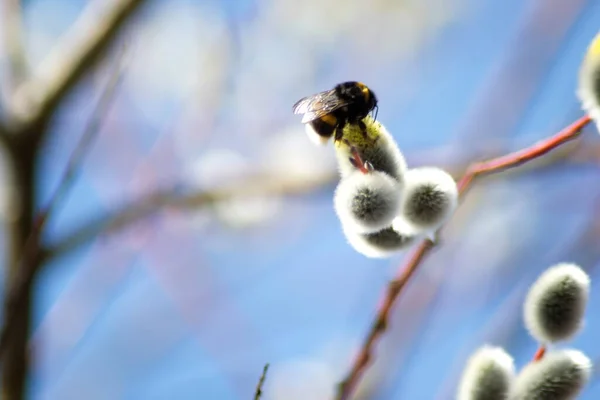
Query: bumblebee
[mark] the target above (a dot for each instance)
(328, 112)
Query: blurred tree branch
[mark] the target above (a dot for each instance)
(31, 260)
(27, 113)
(17, 68)
(139, 209)
(171, 198)
(4, 137)
(36, 99)
(90, 132)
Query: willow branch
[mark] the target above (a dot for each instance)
(77, 51)
(406, 271)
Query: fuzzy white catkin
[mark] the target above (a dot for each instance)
(314, 137)
(382, 244)
(559, 375)
(488, 375)
(588, 89)
(429, 198)
(383, 154)
(555, 304)
(367, 203)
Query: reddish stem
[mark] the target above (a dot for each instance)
(406, 271)
(539, 354)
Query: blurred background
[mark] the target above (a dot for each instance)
(190, 301)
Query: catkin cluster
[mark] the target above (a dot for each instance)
(384, 206)
(553, 312)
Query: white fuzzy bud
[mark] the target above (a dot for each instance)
(429, 198)
(367, 203)
(559, 375)
(588, 89)
(380, 150)
(555, 304)
(488, 375)
(382, 244)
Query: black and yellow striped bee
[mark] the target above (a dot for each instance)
(329, 111)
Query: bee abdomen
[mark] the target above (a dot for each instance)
(324, 126)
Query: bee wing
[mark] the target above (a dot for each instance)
(317, 105)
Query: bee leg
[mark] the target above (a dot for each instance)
(356, 160)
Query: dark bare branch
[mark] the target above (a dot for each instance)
(76, 53)
(22, 194)
(261, 383)
(27, 269)
(25, 242)
(3, 130)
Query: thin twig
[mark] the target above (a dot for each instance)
(12, 22)
(90, 133)
(406, 271)
(77, 51)
(261, 383)
(32, 252)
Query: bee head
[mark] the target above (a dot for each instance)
(360, 95)
(369, 97)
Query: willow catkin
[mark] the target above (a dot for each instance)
(559, 375)
(555, 304)
(488, 375)
(379, 149)
(381, 244)
(429, 198)
(367, 203)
